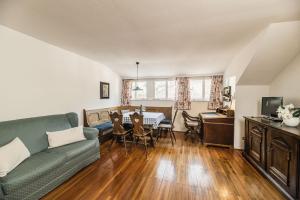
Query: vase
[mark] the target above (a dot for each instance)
(292, 122)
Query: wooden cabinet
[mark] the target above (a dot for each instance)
(218, 129)
(274, 150)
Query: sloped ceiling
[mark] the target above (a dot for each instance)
(278, 46)
(168, 37)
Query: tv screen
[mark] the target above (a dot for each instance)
(270, 106)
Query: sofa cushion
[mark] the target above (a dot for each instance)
(73, 150)
(104, 126)
(31, 169)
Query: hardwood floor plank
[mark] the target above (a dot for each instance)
(186, 171)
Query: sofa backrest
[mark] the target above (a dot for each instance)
(96, 116)
(32, 131)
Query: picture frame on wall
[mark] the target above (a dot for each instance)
(104, 90)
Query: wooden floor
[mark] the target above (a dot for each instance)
(185, 171)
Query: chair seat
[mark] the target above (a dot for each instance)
(121, 134)
(192, 123)
(166, 121)
(165, 126)
(104, 126)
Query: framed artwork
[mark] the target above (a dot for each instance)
(104, 90)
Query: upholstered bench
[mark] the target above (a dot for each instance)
(99, 119)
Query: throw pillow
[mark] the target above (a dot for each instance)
(11, 155)
(64, 137)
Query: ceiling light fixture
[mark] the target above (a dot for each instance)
(137, 88)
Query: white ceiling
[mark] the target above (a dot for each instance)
(168, 37)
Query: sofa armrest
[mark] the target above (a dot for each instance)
(90, 133)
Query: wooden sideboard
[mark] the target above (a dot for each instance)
(217, 129)
(273, 149)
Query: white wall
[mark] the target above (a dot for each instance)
(248, 102)
(37, 79)
(287, 83)
(197, 107)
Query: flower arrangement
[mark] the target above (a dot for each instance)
(288, 112)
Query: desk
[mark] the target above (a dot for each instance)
(150, 118)
(218, 129)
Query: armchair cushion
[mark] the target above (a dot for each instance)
(90, 133)
(104, 126)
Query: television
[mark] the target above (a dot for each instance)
(270, 106)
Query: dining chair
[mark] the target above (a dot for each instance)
(169, 128)
(193, 125)
(118, 129)
(139, 132)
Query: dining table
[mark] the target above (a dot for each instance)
(150, 118)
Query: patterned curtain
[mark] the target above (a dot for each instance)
(126, 92)
(183, 96)
(216, 99)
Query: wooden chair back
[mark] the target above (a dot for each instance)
(185, 118)
(117, 120)
(174, 117)
(138, 123)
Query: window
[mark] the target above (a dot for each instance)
(141, 94)
(200, 89)
(171, 90)
(207, 90)
(164, 89)
(160, 89)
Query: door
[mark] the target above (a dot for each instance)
(281, 160)
(256, 143)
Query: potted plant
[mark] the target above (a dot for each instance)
(289, 114)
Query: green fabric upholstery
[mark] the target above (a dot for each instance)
(1, 194)
(31, 169)
(73, 119)
(90, 133)
(32, 131)
(73, 150)
(46, 168)
(104, 126)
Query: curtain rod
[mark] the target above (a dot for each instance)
(170, 77)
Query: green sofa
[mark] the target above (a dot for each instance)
(46, 168)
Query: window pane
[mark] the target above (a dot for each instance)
(171, 89)
(196, 89)
(160, 89)
(141, 94)
(132, 91)
(207, 85)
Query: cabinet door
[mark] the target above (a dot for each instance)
(256, 143)
(281, 160)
